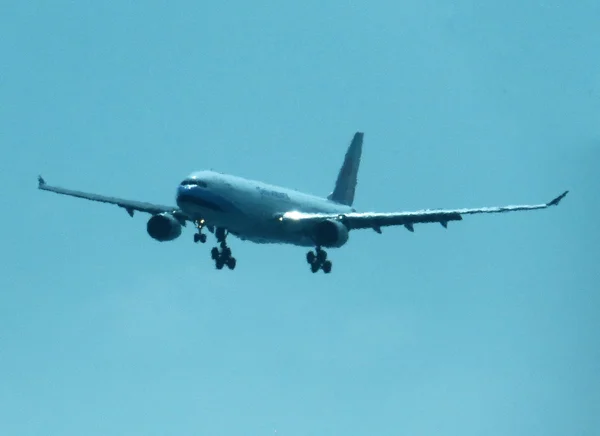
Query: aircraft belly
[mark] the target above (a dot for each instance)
(255, 230)
(244, 227)
(274, 239)
(251, 218)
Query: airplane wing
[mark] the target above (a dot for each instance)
(372, 220)
(129, 205)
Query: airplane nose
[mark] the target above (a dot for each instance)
(181, 192)
(187, 193)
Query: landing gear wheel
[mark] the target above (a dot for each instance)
(222, 254)
(226, 251)
(231, 262)
(200, 237)
(318, 260)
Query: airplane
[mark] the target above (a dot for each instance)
(262, 213)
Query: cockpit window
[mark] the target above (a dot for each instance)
(194, 182)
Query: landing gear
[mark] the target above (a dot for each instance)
(318, 260)
(222, 254)
(199, 236)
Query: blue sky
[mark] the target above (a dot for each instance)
(490, 327)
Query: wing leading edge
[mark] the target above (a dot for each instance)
(129, 205)
(372, 220)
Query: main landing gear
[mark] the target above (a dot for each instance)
(318, 260)
(222, 254)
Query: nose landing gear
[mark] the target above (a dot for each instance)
(318, 260)
(199, 236)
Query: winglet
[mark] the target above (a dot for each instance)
(557, 199)
(41, 181)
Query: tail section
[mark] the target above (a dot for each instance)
(345, 184)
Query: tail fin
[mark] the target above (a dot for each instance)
(345, 184)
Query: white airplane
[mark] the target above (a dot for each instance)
(263, 213)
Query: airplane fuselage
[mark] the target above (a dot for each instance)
(249, 208)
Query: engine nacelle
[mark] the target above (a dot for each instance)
(163, 227)
(330, 233)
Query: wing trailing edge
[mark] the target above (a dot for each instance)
(130, 206)
(377, 220)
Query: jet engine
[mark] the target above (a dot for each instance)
(330, 233)
(163, 227)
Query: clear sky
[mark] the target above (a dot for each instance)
(489, 327)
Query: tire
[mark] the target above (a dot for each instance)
(231, 263)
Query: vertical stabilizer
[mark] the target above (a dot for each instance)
(345, 184)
